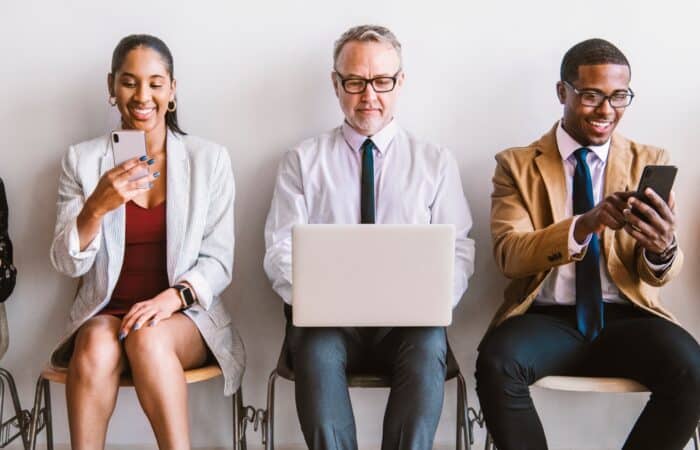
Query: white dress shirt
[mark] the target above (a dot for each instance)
(319, 182)
(559, 287)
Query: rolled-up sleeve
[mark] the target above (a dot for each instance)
(288, 208)
(66, 255)
(450, 207)
(213, 270)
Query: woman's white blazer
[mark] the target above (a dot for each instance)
(200, 240)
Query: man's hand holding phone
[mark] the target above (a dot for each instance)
(652, 224)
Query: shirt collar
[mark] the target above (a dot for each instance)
(381, 140)
(568, 145)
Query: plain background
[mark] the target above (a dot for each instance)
(254, 76)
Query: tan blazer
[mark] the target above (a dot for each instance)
(530, 232)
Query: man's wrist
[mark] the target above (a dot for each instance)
(664, 257)
(581, 231)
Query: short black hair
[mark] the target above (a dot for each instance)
(133, 41)
(588, 53)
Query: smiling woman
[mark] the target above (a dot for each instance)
(154, 254)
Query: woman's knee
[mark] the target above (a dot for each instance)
(97, 351)
(147, 345)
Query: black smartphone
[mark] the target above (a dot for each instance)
(658, 178)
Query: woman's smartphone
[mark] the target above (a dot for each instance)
(129, 144)
(658, 178)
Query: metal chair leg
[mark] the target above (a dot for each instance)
(464, 436)
(36, 412)
(21, 416)
(47, 415)
(236, 420)
(240, 441)
(269, 431)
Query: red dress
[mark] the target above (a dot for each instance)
(144, 271)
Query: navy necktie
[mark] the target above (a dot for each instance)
(589, 297)
(367, 183)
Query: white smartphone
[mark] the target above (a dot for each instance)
(129, 144)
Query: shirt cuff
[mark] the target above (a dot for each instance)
(658, 268)
(574, 247)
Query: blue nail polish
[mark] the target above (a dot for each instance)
(143, 158)
(156, 174)
(151, 162)
(136, 326)
(152, 323)
(121, 336)
(150, 185)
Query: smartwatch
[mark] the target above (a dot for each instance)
(186, 295)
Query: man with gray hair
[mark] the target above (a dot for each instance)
(368, 170)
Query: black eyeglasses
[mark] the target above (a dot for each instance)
(359, 85)
(620, 99)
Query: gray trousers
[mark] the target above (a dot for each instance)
(414, 357)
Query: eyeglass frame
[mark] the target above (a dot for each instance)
(630, 94)
(368, 82)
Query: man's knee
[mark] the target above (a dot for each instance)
(498, 366)
(318, 349)
(423, 350)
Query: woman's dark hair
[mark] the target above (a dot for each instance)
(133, 41)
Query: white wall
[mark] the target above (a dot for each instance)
(254, 76)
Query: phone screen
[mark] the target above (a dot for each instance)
(129, 144)
(658, 178)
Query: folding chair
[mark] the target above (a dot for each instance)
(591, 384)
(41, 412)
(369, 380)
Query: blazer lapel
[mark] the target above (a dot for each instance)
(177, 201)
(617, 179)
(113, 224)
(551, 169)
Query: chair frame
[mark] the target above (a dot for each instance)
(588, 384)
(464, 429)
(17, 425)
(41, 412)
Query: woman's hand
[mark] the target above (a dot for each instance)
(113, 190)
(150, 311)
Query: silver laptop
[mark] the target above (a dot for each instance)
(372, 275)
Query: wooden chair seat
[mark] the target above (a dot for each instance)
(590, 384)
(58, 375)
(41, 412)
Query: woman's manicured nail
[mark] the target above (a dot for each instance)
(151, 162)
(152, 323)
(150, 185)
(143, 158)
(136, 326)
(121, 336)
(156, 174)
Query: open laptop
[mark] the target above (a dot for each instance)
(372, 275)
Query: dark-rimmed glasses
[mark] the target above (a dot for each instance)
(619, 99)
(380, 85)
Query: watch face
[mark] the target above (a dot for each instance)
(187, 296)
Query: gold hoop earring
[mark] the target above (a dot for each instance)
(172, 106)
(112, 101)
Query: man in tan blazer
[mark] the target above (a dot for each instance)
(585, 270)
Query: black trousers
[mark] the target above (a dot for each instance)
(634, 344)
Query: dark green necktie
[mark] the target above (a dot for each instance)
(589, 297)
(367, 183)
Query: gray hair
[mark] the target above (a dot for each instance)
(367, 33)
